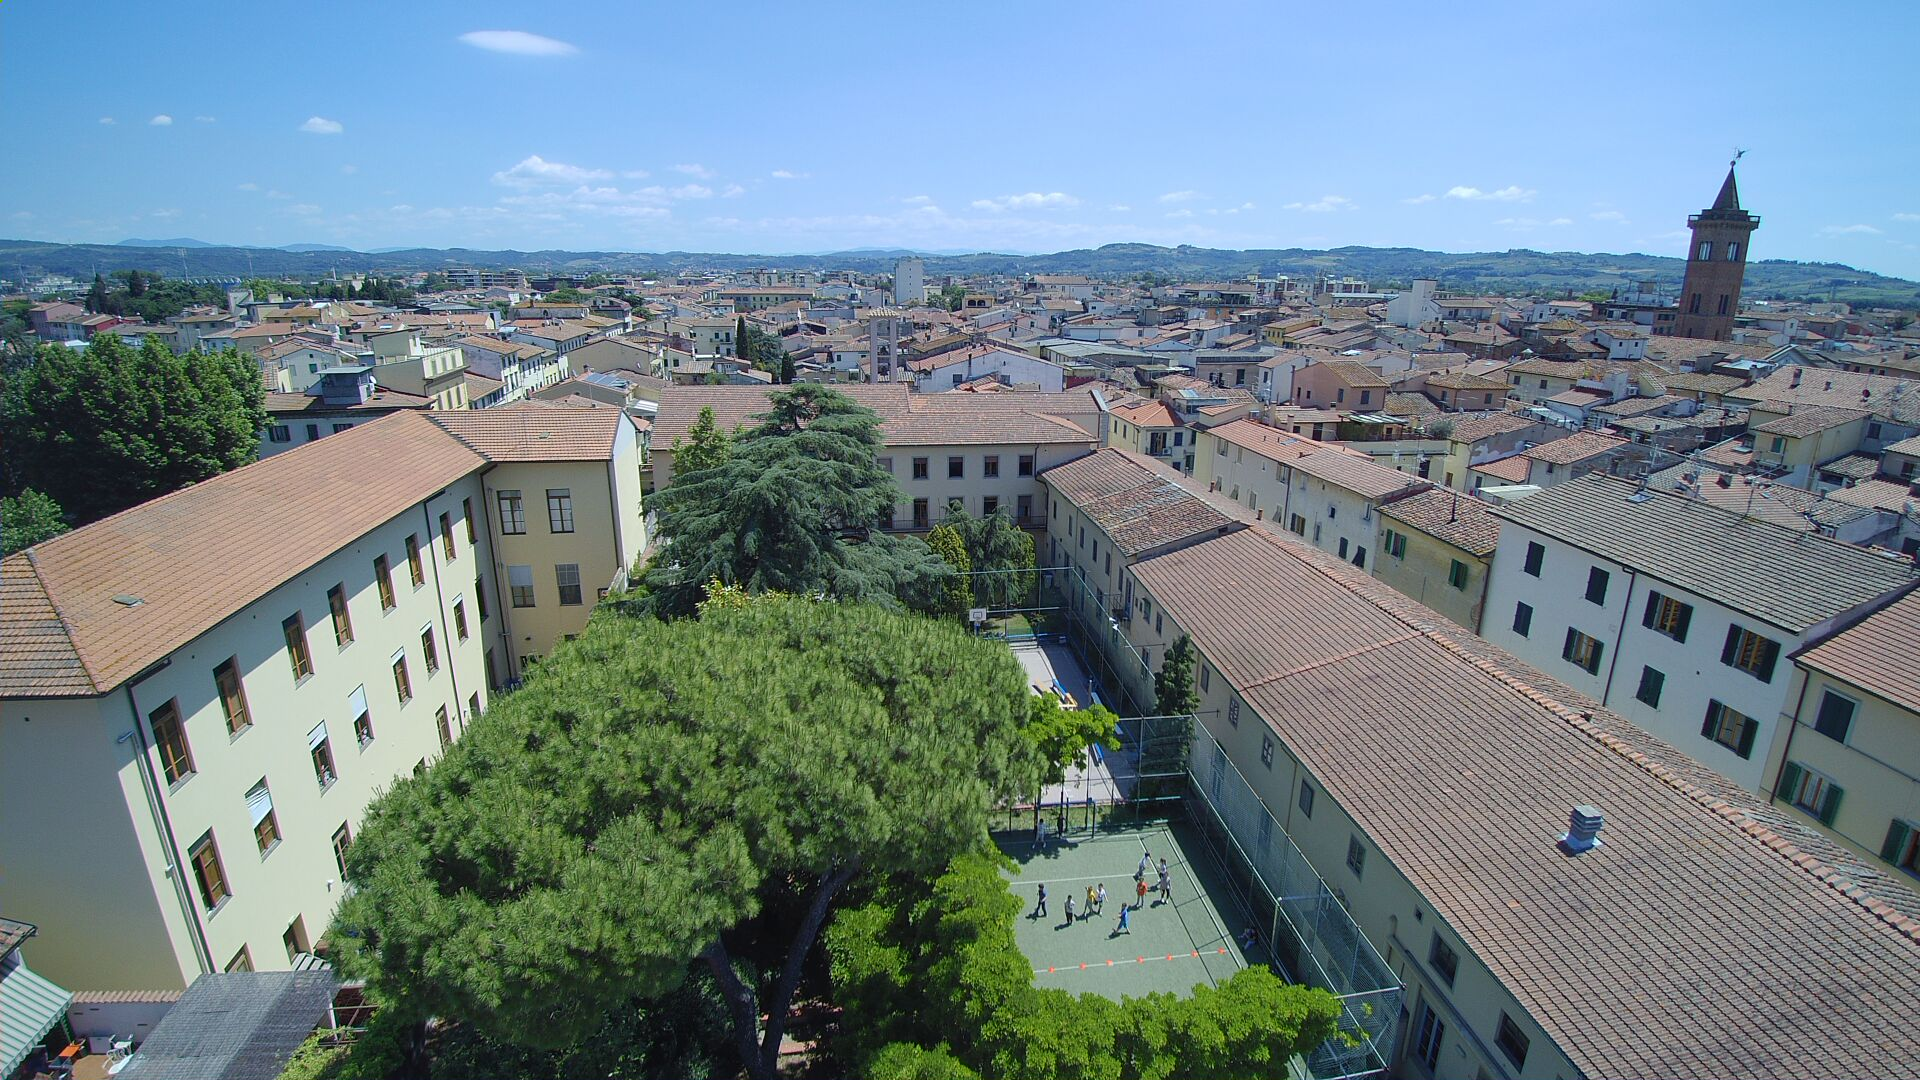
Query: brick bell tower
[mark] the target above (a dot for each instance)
(1716, 266)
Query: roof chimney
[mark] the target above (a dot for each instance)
(1583, 829)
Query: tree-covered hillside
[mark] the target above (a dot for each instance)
(1515, 271)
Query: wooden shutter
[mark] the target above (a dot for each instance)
(1680, 624)
(1566, 650)
(1789, 780)
(1897, 833)
(1732, 648)
(1769, 655)
(1830, 806)
(1593, 657)
(1653, 606)
(1747, 732)
(1712, 721)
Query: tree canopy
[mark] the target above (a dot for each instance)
(112, 425)
(1173, 691)
(1062, 736)
(934, 985)
(792, 510)
(706, 446)
(1000, 554)
(27, 520)
(657, 786)
(955, 594)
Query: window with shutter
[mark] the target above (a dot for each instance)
(1835, 718)
(1668, 616)
(1730, 728)
(1749, 652)
(1902, 847)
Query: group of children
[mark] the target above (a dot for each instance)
(1096, 901)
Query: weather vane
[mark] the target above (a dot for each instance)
(1737, 155)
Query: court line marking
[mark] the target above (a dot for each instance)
(1070, 966)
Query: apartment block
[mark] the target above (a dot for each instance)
(1450, 795)
(1437, 547)
(1848, 761)
(984, 451)
(1677, 614)
(200, 695)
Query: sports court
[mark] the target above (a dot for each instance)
(1169, 947)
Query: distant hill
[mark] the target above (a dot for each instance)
(1515, 271)
(313, 247)
(176, 242)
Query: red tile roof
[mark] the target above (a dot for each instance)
(1880, 654)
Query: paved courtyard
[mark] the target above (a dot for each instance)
(1170, 947)
(1106, 779)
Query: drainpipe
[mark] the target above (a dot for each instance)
(157, 809)
(1786, 751)
(440, 610)
(1619, 635)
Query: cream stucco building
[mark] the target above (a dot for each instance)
(200, 695)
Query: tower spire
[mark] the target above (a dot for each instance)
(1729, 197)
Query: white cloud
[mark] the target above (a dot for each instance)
(165, 214)
(303, 209)
(320, 125)
(1510, 193)
(276, 193)
(696, 170)
(1418, 199)
(1181, 214)
(1851, 230)
(1120, 208)
(690, 191)
(918, 200)
(516, 42)
(1325, 204)
(788, 174)
(1609, 215)
(108, 120)
(1530, 223)
(249, 186)
(636, 174)
(1031, 200)
(1179, 196)
(163, 120)
(534, 170)
(349, 169)
(1896, 217)
(203, 119)
(732, 191)
(1561, 221)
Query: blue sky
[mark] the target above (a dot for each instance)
(1018, 127)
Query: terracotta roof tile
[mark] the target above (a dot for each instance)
(1513, 469)
(1461, 520)
(525, 432)
(1880, 654)
(1578, 446)
(202, 553)
(1136, 501)
(1356, 473)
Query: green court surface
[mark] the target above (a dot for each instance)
(1170, 947)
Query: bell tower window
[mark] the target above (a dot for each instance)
(1733, 251)
(1705, 252)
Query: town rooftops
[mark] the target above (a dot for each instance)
(1473, 427)
(1579, 446)
(1881, 395)
(1461, 520)
(1880, 654)
(383, 399)
(1357, 473)
(906, 419)
(1710, 936)
(1809, 420)
(196, 556)
(1514, 469)
(1792, 580)
(1268, 442)
(1142, 505)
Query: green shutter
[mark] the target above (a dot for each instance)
(1593, 658)
(1712, 720)
(1653, 605)
(1680, 626)
(1769, 655)
(1830, 806)
(1789, 780)
(1566, 650)
(1897, 832)
(1732, 646)
(1747, 732)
